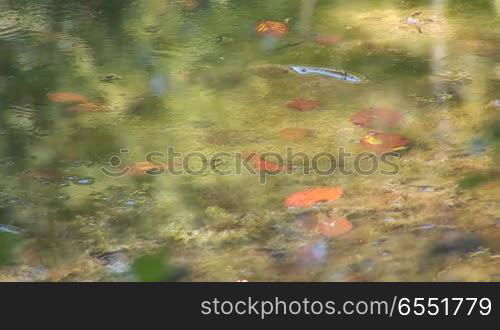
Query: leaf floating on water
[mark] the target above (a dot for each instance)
(381, 142)
(67, 97)
(378, 118)
(303, 104)
(271, 29)
(295, 133)
(311, 197)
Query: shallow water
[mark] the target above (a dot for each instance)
(193, 75)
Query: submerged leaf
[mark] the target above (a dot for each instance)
(66, 97)
(146, 168)
(271, 28)
(381, 142)
(311, 197)
(268, 166)
(378, 118)
(333, 227)
(262, 164)
(303, 104)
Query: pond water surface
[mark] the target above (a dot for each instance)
(90, 89)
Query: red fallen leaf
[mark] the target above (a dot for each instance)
(311, 197)
(143, 168)
(333, 227)
(376, 118)
(381, 142)
(295, 133)
(271, 28)
(66, 97)
(265, 165)
(328, 40)
(303, 104)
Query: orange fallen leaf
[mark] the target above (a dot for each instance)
(381, 142)
(333, 227)
(271, 28)
(294, 133)
(66, 97)
(376, 118)
(311, 197)
(303, 104)
(144, 168)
